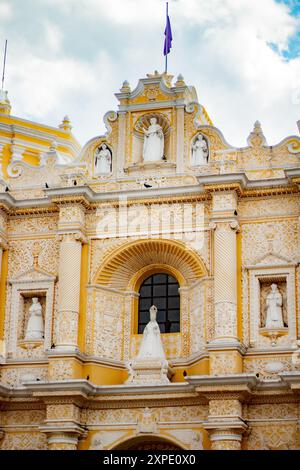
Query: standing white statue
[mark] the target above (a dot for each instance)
(274, 308)
(151, 345)
(199, 151)
(35, 325)
(102, 160)
(153, 149)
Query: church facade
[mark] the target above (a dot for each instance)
(161, 215)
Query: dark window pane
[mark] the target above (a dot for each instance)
(144, 316)
(160, 303)
(145, 291)
(160, 291)
(147, 281)
(173, 302)
(174, 328)
(162, 316)
(141, 328)
(173, 289)
(173, 315)
(145, 304)
(159, 278)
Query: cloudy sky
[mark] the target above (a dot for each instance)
(71, 56)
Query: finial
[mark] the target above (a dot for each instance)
(156, 74)
(125, 87)
(256, 137)
(5, 106)
(180, 81)
(66, 124)
(298, 124)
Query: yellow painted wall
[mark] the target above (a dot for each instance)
(82, 304)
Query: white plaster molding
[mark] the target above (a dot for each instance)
(42, 136)
(87, 388)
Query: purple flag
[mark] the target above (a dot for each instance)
(168, 38)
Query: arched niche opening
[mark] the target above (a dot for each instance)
(143, 122)
(147, 443)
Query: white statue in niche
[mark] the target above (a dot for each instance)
(151, 345)
(103, 160)
(274, 318)
(199, 151)
(35, 325)
(153, 149)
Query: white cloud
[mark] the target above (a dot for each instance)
(53, 36)
(220, 46)
(6, 10)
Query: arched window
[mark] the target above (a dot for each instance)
(160, 290)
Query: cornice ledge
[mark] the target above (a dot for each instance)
(91, 196)
(82, 194)
(257, 267)
(5, 391)
(70, 386)
(224, 181)
(179, 387)
(274, 385)
(227, 423)
(187, 362)
(11, 392)
(223, 345)
(292, 379)
(69, 427)
(85, 388)
(240, 181)
(235, 381)
(270, 352)
(53, 353)
(292, 173)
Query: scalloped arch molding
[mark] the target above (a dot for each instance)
(120, 266)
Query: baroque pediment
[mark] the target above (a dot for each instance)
(33, 275)
(272, 259)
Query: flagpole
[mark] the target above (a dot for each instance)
(167, 12)
(4, 63)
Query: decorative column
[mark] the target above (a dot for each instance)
(225, 285)
(224, 424)
(69, 292)
(62, 425)
(71, 236)
(225, 348)
(225, 439)
(225, 225)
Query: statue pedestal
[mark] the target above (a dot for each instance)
(151, 166)
(149, 371)
(31, 343)
(273, 333)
